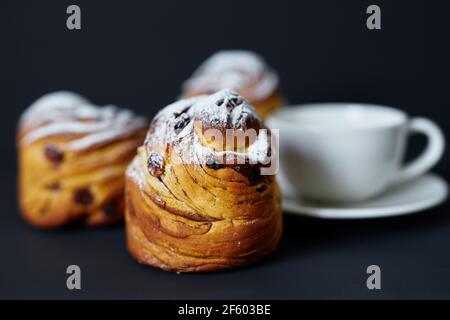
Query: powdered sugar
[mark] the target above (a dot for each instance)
(225, 110)
(66, 113)
(237, 69)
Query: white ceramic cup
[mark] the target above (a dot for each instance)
(342, 152)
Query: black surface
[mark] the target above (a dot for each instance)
(136, 53)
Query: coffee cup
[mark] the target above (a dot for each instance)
(344, 152)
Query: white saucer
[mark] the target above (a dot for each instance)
(412, 196)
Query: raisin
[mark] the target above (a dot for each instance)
(155, 164)
(83, 197)
(234, 102)
(213, 164)
(110, 209)
(181, 121)
(261, 188)
(53, 153)
(54, 186)
(253, 174)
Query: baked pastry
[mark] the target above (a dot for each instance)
(72, 160)
(196, 203)
(243, 71)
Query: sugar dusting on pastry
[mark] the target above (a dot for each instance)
(71, 114)
(236, 69)
(221, 111)
(72, 159)
(187, 210)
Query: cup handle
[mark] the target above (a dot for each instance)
(432, 153)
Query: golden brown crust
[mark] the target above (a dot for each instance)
(63, 178)
(191, 216)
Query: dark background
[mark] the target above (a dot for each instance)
(136, 54)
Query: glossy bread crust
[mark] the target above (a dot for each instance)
(191, 214)
(71, 170)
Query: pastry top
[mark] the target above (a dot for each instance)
(200, 130)
(244, 71)
(84, 125)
